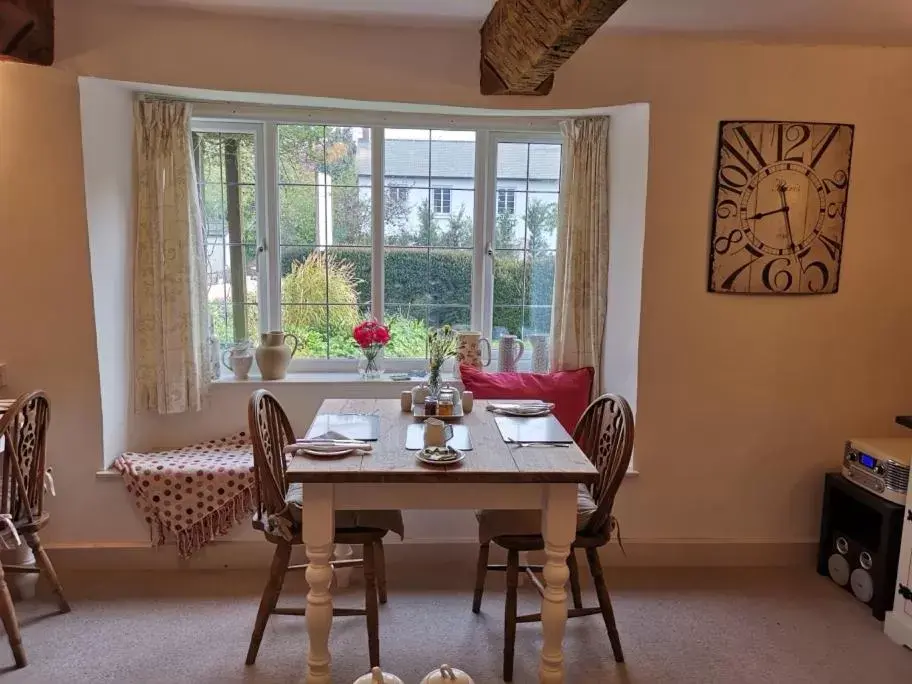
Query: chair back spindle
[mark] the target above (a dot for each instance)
(270, 433)
(605, 435)
(24, 426)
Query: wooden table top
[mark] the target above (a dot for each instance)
(490, 461)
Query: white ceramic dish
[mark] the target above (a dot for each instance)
(426, 455)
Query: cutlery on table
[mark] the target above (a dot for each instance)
(327, 444)
(538, 444)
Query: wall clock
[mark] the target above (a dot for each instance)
(780, 207)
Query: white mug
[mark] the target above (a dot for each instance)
(436, 432)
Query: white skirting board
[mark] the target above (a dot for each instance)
(898, 628)
(239, 555)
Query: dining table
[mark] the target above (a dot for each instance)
(493, 475)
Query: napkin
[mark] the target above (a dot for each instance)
(328, 441)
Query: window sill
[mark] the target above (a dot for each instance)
(324, 377)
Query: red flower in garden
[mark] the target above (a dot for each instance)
(371, 333)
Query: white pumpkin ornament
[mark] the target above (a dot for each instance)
(377, 676)
(447, 675)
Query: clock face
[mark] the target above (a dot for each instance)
(780, 207)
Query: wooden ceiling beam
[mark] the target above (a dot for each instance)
(27, 30)
(523, 42)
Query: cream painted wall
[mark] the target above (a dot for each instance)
(742, 402)
(47, 333)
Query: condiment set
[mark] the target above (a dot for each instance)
(446, 404)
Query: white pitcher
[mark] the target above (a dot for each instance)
(540, 353)
(239, 359)
(469, 347)
(509, 353)
(447, 675)
(378, 676)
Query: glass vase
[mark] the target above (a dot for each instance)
(370, 364)
(434, 381)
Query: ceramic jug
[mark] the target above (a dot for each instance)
(378, 676)
(436, 432)
(273, 355)
(238, 359)
(509, 352)
(447, 675)
(469, 348)
(540, 355)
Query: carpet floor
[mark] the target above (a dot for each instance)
(677, 627)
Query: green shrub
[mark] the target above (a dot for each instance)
(408, 337)
(318, 279)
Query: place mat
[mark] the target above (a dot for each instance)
(414, 438)
(540, 429)
(365, 427)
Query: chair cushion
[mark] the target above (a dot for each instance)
(494, 523)
(391, 521)
(567, 390)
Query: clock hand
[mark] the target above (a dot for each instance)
(761, 214)
(788, 222)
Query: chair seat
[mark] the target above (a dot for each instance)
(24, 526)
(390, 521)
(504, 523)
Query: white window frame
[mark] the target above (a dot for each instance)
(487, 317)
(263, 123)
(258, 131)
(446, 198)
(400, 192)
(508, 195)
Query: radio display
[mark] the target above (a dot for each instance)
(866, 461)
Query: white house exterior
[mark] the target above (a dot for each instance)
(442, 172)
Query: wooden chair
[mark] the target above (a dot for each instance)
(24, 426)
(270, 432)
(605, 434)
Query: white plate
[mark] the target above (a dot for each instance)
(325, 453)
(522, 411)
(424, 459)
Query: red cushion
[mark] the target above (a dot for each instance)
(567, 390)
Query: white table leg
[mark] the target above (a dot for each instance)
(559, 528)
(317, 530)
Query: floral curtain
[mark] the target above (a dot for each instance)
(581, 269)
(170, 315)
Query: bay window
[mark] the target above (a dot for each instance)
(311, 228)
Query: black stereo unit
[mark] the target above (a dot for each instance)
(859, 542)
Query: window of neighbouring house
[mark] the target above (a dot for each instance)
(397, 193)
(506, 202)
(295, 241)
(442, 200)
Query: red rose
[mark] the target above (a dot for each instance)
(370, 333)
